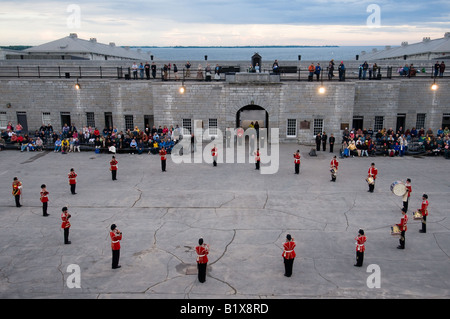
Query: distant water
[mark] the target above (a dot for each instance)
(267, 53)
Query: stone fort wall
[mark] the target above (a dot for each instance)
(162, 104)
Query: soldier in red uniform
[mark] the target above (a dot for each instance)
(403, 228)
(116, 237)
(65, 224)
(17, 190)
(297, 162)
(163, 154)
(360, 248)
(373, 172)
(72, 180)
(257, 159)
(44, 199)
(424, 210)
(288, 255)
(407, 194)
(214, 152)
(334, 164)
(113, 163)
(202, 251)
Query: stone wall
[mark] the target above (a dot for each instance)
(222, 100)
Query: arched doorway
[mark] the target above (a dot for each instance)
(252, 113)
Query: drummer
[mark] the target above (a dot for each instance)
(403, 228)
(372, 173)
(333, 168)
(407, 194)
(424, 211)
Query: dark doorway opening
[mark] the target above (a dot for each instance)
(22, 120)
(251, 114)
(358, 122)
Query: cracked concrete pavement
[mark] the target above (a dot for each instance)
(242, 214)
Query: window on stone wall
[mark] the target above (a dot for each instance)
(187, 126)
(129, 122)
(46, 118)
(291, 128)
(3, 120)
(420, 121)
(379, 123)
(90, 119)
(318, 126)
(212, 125)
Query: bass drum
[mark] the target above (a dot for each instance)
(398, 188)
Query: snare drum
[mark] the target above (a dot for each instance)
(370, 180)
(417, 215)
(398, 188)
(395, 230)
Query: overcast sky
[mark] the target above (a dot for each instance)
(225, 22)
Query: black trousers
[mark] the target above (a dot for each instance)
(115, 258)
(288, 263)
(331, 148)
(371, 187)
(324, 146)
(66, 235)
(17, 198)
(297, 168)
(405, 204)
(163, 165)
(44, 208)
(72, 188)
(333, 177)
(359, 258)
(318, 146)
(424, 224)
(257, 165)
(201, 272)
(114, 175)
(402, 239)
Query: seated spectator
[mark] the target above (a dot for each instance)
(133, 145)
(57, 145)
(352, 149)
(2, 143)
(65, 146)
(39, 144)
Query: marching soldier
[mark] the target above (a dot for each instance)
(17, 190)
(334, 164)
(407, 194)
(163, 154)
(288, 255)
(116, 237)
(44, 199)
(65, 224)
(403, 228)
(202, 251)
(297, 162)
(360, 248)
(72, 180)
(372, 173)
(257, 159)
(424, 211)
(113, 163)
(214, 151)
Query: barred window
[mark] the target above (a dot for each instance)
(318, 126)
(187, 126)
(46, 118)
(379, 123)
(90, 119)
(212, 125)
(420, 121)
(3, 120)
(129, 122)
(291, 128)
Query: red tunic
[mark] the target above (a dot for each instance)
(16, 185)
(202, 253)
(334, 163)
(44, 196)
(403, 222)
(297, 158)
(257, 158)
(163, 154)
(72, 178)
(408, 189)
(115, 240)
(288, 251)
(424, 208)
(65, 220)
(373, 172)
(113, 164)
(360, 240)
(214, 151)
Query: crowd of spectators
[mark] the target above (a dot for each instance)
(388, 142)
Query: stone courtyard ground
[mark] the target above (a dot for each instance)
(243, 215)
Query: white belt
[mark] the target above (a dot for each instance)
(288, 251)
(200, 255)
(113, 242)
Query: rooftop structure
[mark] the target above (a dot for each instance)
(73, 48)
(426, 50)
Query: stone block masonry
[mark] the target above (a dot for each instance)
(298, 102)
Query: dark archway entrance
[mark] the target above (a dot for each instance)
(252, 113)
